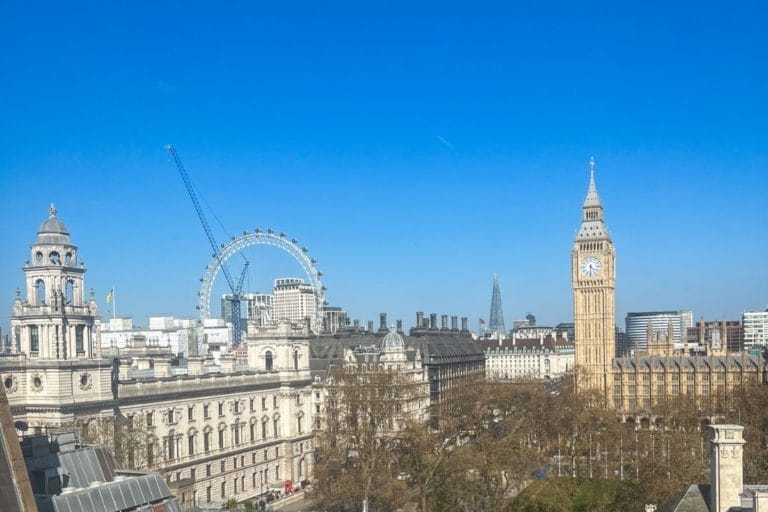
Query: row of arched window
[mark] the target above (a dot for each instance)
(236, 434)
(41, 296)
(269, 360)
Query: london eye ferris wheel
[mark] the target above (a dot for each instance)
(239, 245)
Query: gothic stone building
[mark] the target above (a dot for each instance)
(214, 431)
(634, 385)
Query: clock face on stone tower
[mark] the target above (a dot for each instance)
(591, 266)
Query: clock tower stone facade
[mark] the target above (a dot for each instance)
(593, 274)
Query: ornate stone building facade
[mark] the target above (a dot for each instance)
(538, 358)
(636, 386)
(390, 364)
(214, 431)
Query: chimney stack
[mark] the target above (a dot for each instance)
(433, 321)
(399, 326)
(444, 323)
(227, 364)
(125, 369)
(454, 323)
(195, 366)
(464, 324)
(726, 467)
(419, 319)
(382, 321)
(162, 368)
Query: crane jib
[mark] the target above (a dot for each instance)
(235, 289)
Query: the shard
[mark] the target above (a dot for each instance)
(496, 319)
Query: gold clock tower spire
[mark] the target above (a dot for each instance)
(593, 274)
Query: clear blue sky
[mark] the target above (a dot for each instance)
(415, 148)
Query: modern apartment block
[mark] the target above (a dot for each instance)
(755, 329)
(638, 325)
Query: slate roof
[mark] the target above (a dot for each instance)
(117, 495)
(549, 343)
(67, 477)
(697, 363)
(695, 498)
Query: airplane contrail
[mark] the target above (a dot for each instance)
(447, 144)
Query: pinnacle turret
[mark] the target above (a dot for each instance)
(592, 224)
(592, 200)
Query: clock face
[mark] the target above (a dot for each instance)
(591, 266)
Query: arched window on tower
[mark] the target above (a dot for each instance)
(295, 359)
(39, 292)
(69, 292)
(268, 360)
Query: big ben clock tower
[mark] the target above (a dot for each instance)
(593, 273)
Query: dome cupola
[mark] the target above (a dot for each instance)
(52, 231)
(393, 342)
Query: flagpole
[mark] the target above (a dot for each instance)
(114, 303)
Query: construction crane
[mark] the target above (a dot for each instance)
(236, 288)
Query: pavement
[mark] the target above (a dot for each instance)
(297, 503)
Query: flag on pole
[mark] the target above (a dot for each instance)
(109, 295)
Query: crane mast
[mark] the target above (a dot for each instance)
(235, 288)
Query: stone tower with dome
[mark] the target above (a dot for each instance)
(155, 409)
(54, 368)
(54, 319)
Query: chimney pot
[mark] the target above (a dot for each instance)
(464, 324)
(444, 322)
(433, 320)
(419, 319)
(454, 323)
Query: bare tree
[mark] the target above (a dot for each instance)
(359, 449)
(127, 438)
